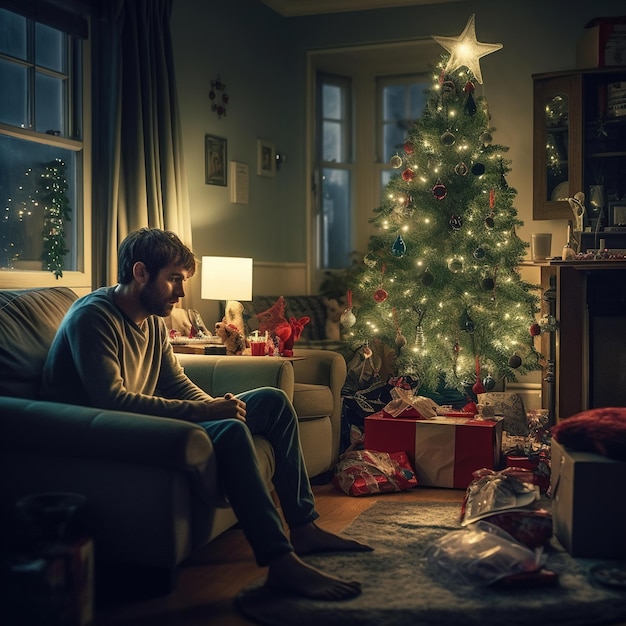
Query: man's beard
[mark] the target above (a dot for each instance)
(152, 301)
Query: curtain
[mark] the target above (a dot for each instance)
(138, 170)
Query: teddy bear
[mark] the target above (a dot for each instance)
(334, 309)
(231, 336)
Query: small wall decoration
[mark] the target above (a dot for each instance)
(219, 97)
(266, 158)
(215, 160)
(617, 213)
(240, 185)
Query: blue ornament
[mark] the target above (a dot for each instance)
(399, 247)
(489, 382)
(479, 253)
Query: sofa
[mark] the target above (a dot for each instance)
(323, 332)
(152, 492)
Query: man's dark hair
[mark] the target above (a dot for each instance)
(156, 249)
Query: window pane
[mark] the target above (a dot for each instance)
(13, 100)
(418, 99)
(336, 211)
(32, 181)
(49, 48)
(49, 100)
(13, 34)
(394, 134)
(331, 141)
(394, 102)
(331, 102)
(385, 177)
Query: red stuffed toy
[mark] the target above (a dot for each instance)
(295, 328)
(288, 332)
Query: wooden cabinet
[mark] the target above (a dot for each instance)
(579, 144)
(588, 350)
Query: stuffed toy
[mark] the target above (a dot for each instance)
(334, 310)
(295, 327)
(231, 336)
(234, 315)
(287, 332)
(270, 319)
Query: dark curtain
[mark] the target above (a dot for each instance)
(138, 170)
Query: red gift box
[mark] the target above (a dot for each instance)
(444, 451)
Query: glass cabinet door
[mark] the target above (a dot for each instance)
(557, 145)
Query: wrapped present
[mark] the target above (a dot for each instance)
(444, 451)
(539, 466)
(532, 527)
(362, 472)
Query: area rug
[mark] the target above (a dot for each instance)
(399, 588)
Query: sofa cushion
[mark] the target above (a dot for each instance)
(312, 401)
(29, 319)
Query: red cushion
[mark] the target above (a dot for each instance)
(602, 431)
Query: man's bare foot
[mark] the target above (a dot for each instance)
(310, 538)
(288, 573)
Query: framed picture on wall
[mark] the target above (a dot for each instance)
(266, 158)
(617, 213)
(215, 160)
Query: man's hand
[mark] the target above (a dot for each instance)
(227, 407)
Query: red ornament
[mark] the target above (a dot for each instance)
(380, 295)
(470, 407)
(469, 87)
(535, 330)
(409, 148)
(478, 387)
(408, 175)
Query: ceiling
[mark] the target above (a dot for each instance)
(292, 8)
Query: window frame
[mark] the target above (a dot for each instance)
(345, 164)
(363, 64)
(81, 278)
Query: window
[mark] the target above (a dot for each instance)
(400, 101)
(335, 167)
(42, 151)
(365, 100)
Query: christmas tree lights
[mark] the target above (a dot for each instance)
(440, 285)
(56, 211)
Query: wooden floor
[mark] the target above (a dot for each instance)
(209, 582)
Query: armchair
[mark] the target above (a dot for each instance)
(152, 492)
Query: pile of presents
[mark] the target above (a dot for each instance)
(393, 439)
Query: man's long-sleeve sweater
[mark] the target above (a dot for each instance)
(100, 358)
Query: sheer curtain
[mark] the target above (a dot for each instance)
(138, 170)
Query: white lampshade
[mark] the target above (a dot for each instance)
(226, 278)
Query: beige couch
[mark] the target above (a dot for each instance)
(151, 486)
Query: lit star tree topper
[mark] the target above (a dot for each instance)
(466, 51)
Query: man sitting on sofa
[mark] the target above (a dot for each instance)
(112, 351)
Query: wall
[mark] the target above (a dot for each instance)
(261, 57)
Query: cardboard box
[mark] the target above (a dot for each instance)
(444, 451)
(588, 510)
(603, 44)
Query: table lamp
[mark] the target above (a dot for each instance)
(229, 279)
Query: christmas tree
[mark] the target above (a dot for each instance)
(440, 293)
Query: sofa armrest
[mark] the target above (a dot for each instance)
(323, 367)
(218, 374)
(65, 430)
